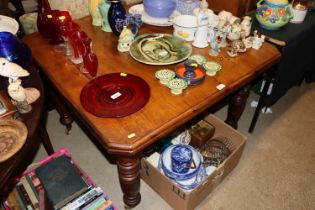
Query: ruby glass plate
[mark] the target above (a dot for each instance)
(115, 95)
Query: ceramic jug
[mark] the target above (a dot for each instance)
(273, 14)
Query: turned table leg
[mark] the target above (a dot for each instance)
(236, 107)
(129, 177)
(65, 117)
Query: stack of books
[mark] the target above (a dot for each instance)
(59, 184)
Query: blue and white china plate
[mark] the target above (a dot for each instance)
(166, 165)
(193, 182)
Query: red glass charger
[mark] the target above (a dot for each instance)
(115, 95)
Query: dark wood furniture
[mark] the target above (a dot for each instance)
(163, 113)
(237, 7)
(297, 62)
(35, 123)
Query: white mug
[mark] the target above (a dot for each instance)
(185, 27)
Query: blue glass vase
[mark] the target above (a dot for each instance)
(14, 50)
(116, 16)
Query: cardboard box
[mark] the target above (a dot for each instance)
(181, 199)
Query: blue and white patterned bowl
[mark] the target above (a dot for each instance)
(165, 164)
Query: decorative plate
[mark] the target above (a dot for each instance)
(164, 75)
(139, 9)
(166, 164)
(200, 59)
(211, 67)
(8, 24)
(159, 49)
(115, 95)
(193, 182)
(13, 134)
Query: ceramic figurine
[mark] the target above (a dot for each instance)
(257, 41)
(103, 8)
(224, 15)
(235, 32)
(125, 39)
(95, 12)
(201, 35)
(11, 70)
(137, 23)
(246, 25)
(18, 96)
(224, 31)
(215, 47)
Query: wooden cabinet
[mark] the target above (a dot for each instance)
(237, 7)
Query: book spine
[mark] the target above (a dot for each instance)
(83, 199)
(30, 182)
(14, 200)
(23, 194)
(30, 192)
(36, 182)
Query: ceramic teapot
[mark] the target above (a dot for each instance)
(273, 14)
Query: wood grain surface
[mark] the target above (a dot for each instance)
(164, 111)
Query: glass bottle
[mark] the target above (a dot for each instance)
(116, 16)
(43, 20)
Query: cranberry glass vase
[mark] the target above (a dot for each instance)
(43, 20)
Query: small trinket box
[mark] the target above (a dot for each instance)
(200, 133)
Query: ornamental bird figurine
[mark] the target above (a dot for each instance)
(11, 70)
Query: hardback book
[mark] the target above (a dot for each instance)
(24, 196)
(14, 200)
(31, 194)
(61, 182)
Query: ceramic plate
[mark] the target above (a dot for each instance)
(166, 165)
(13, 134)
(8, 24)
(115, 95)
(159, 49)
(139, 9)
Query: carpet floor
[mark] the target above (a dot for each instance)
(276, 171)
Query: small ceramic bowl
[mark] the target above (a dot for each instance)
(200, 59)
(164, 75)
(211, 68)
(177, 86)
(185, 27)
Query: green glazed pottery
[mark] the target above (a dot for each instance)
(159, 49)
(211, 68)
(177, 86)
(164, 75)
(273, 14)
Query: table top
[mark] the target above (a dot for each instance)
(31, 120)
(164, 111)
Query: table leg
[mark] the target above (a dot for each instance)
(65, 117)
(236, 107)
(129, 177)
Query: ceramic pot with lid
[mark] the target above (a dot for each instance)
(273, 14)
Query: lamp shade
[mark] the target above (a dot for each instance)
(14, 50)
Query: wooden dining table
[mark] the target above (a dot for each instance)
(127, 137)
